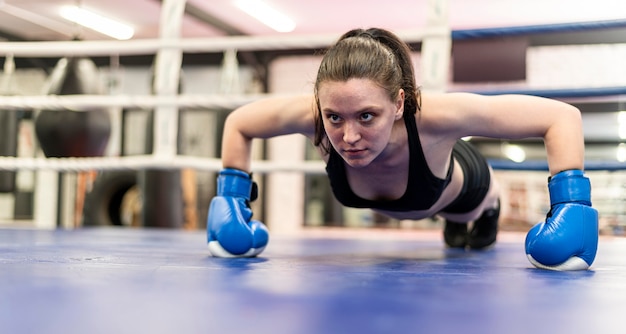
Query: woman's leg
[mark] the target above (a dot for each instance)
(484, 230)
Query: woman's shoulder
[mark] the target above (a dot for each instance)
(441, 113)
(435, 107)
(438, 105)
(446, 98)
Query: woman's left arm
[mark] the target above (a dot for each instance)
(521, 116)
(568, 238)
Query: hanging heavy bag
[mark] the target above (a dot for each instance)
(73, 133)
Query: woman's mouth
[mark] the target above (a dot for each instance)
(353, 151)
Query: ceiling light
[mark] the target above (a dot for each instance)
(97, 22)
(267, 15)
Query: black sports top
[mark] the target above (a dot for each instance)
(423, 188)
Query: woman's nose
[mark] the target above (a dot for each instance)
(351, 133)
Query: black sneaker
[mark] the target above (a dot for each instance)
(455, 234)
(485, 229)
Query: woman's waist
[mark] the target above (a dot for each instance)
(448, 195)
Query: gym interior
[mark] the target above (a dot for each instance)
(110, 148)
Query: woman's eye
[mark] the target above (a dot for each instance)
(333, 118)
(366, 117)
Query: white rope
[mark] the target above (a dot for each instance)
(86, 102)
(191, 45)
(214, 101)
(149, 162)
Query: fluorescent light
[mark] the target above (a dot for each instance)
(267, 15)
(97, 22)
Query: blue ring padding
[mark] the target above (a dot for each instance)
(503, 164)
(562, 92)
(542, 165)
(536, 29)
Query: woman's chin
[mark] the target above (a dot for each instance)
(357, 163)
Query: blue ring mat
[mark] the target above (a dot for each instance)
(107, 280)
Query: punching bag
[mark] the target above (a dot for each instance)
(73, 133)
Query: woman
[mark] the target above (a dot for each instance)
(396, 150)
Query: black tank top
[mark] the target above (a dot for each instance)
(423, 188)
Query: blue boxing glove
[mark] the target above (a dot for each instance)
(231, 232)
(568, 239)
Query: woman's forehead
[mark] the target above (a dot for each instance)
(351, 92)
(355, 86)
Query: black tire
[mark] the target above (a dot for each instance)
(103, 204)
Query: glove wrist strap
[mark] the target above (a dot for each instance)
(234, 182)
(570, 186)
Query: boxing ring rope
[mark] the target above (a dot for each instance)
(149, 161)
(241, 43)
(542, 165)
(256, 43)
(189, 45)
(226, 101)
(569, 93)
(258, 166)
(537, 29)
(86, 102)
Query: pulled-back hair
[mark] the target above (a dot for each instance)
(374, 54)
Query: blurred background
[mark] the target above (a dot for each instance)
(289, 201)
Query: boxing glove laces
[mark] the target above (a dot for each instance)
(568, 238)
(231, 232)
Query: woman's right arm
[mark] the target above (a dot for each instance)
(265, 118)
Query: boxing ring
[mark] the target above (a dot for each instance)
(319, 280)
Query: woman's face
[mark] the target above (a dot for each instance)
(358, 117)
